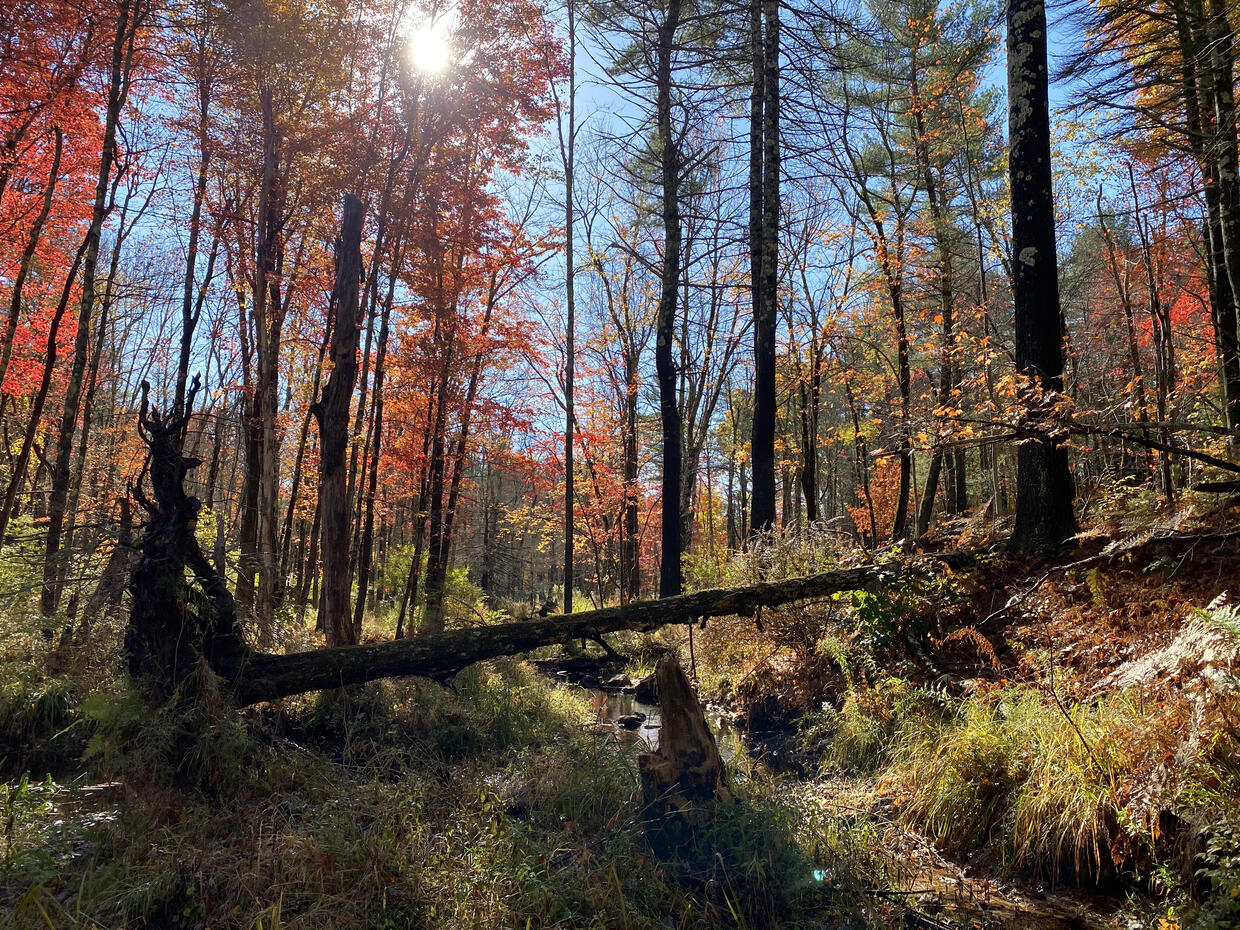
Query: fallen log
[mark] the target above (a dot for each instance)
(258, 677)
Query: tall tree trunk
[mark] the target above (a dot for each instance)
(630, 553)
(332, 414)
(432, 621)
(810, 397)
(1225, 146)
(764, 243)
(191, 309)
(88, 404)
(268, 325)
(309, 571)
(670, 573)
(568, 146)
(1194, 38)
(1044, 517)
(438, 556)
(247, 531)
(947, 308)
(290, 510)
(409, 595)
(18, 476)
(366, 544)
(1164, 351)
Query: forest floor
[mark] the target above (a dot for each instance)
(1034, 745)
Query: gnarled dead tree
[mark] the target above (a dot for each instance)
(182, 612)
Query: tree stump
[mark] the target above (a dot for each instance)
(684, 780)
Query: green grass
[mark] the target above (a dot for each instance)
(405, 804)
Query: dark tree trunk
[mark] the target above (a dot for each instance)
(1225, 146)
(286, 535)
(268, 312)
(567, 153)
(670, 573)
(18, 475)
(375, 447)
(332, 414)
(1195, 39)
(764, 244)
(27, 259)
(247, 531)
(436, 553)
(173, 624)
(630, 553)
(1044, 517)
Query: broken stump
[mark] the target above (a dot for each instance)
(683, 781)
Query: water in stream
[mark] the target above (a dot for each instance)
(955, 901)
(611, 706)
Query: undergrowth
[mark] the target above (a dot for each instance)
(489, 804)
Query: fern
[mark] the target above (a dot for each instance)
(1223, 617)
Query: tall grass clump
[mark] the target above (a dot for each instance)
(859, 737)
(1055, 788)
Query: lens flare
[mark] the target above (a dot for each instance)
(428, 50)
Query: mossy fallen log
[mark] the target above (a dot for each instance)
(259, 677)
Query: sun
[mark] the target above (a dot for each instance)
(428, 50)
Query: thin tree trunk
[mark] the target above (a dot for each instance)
(268, 324)
(764, 243)
(366, 544)
(130, 15)
(567, 154)
(18, 476)
(27, 259)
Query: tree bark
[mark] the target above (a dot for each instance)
(173, 624)
(332, 414)
(670, 572)
(131, 14)
(764, 244)
(268, 326)
(27, 259)
(684, 779)
(17, 476)
(567, 152)
(1044, 492)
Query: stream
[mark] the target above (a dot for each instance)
(941, 894)
(613, 707)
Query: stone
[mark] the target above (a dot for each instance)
(647, 690)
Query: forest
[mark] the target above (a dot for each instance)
(619, 464)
